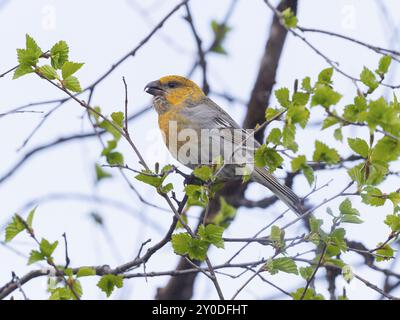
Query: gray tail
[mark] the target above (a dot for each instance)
(283, 192)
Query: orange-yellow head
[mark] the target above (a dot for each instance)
(174, 91)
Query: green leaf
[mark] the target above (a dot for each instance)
(22, 70)
(108, 282)
(325, 76)
(325, 96)
(275, 136)
(27, 58)
(32, 46)
(204, 173)
(289, 19)
(373, 196)
(284, 264)
(356, 112)
(393, 222)
(298, 114)
(315, 224)
(394, 197)
(31, 214)
(85, 272)
(59, 54)
(270, 113)
(282, 95)
(347, 273)
(265, 156)
(385, 253)
(225, 214)
(298, 162)
(386, 149)
(197, 195)
(329, 121)
(288, 137)
(308, 173)
(35, 256)
(337, 237)
(384, 64)
(150, 178)
(323, 153)
(167, 188)
(115, 159)
(351, 219)
(48, 72)
(181, 243)
(306, 84)
(359, 146)
(212, 234)
(300, 98)
(72, 83)
(62, 293)
(309, 295)
(198, 249)
(220, 31)
(106, 125)
(306, 272)
(338, 135)
(368, 78)
(69, 68)
(47, 248)
(276, 234)
(347, 209)
(118, 118)
(14, 227)
(101, 174)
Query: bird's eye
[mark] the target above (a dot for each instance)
(172, 84)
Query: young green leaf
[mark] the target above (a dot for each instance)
(289, 19)
(325, 96)
(323, 153)
(359, 146)
(14, 227)
(59, 54)
(308, 295)
(368, 78)
(284, 264)
(282, 95)
(384, 64)
(69, 68)
(101, 174)
(212, 233)
(48, 72)
(22, 70)
(225, 214)
(35, 256)
(275, 136)
(393, 222)
(385, 253)
(72, 83)
(373, 196)
(118, 118)
(85, 272)
(108, 282)
(203, 172)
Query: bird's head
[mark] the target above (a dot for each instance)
(175, 91)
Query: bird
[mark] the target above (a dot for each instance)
(183, 107)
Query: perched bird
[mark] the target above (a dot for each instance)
(196, 130)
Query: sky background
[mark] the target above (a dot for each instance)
(99, 33)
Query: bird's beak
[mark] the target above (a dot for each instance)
(154, 88)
